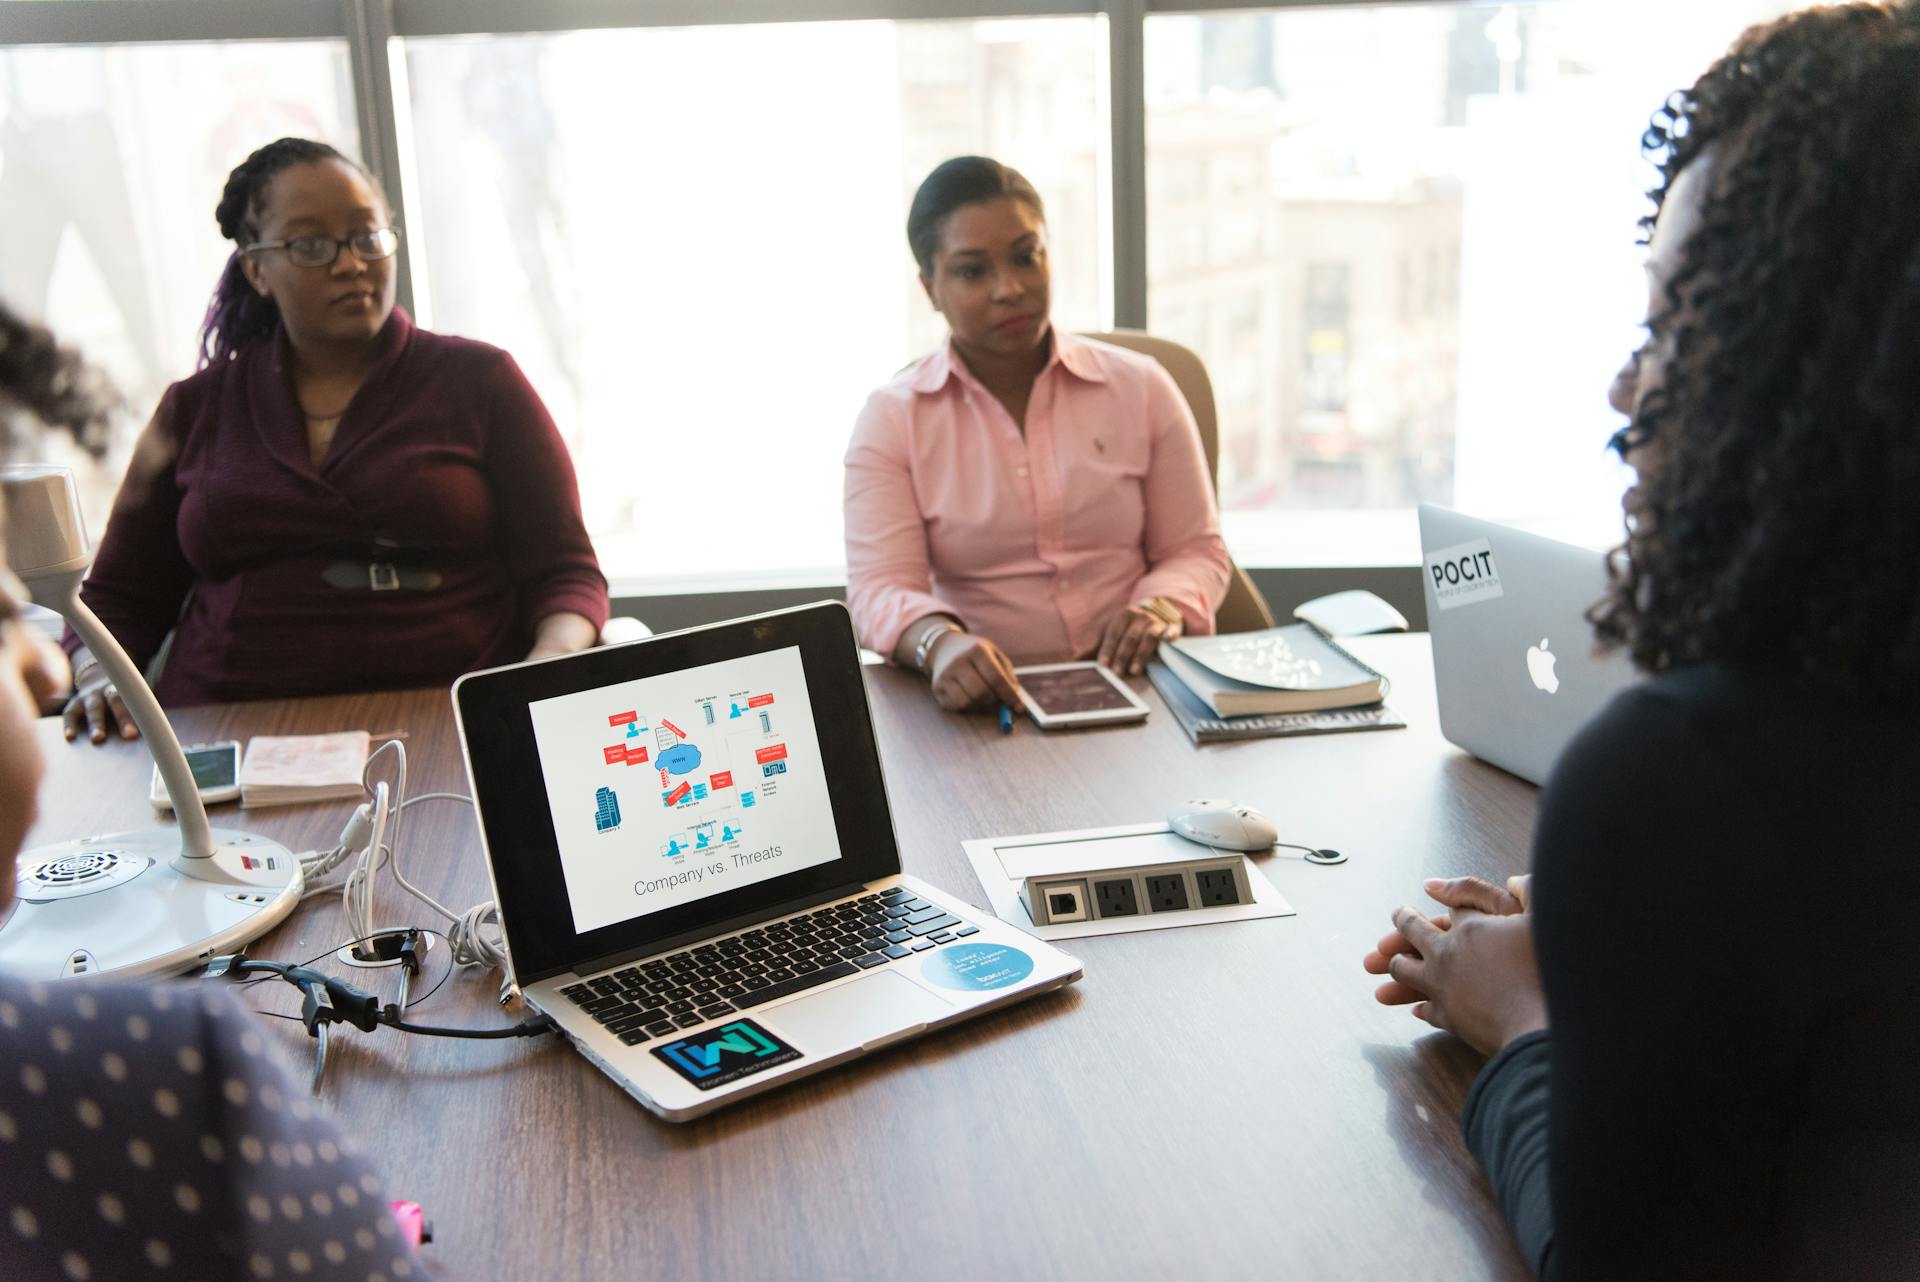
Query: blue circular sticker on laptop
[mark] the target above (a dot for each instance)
(973, 968)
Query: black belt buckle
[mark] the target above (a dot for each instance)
(383, 576)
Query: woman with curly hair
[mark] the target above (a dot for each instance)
(339, 500)
(145, 1128)
(1701, 1066)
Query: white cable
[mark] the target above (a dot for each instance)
(436, 796)
(359, 882)
(470, 945)
(372, 834)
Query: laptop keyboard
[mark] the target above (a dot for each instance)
(666, 994)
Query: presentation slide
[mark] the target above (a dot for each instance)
(672, 788)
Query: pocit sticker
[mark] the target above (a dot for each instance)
(725, 1054)
(974, 968)
(1464, 574)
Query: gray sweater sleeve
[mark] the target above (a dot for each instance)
(1505, 1121)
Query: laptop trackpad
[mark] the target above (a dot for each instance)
(877, 1008)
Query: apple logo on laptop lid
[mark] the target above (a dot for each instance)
(1540, 663)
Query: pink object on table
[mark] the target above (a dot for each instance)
(412, 1220)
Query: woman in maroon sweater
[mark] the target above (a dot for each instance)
(338, 500)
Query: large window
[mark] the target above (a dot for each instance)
(111, 162)
(1403, 238)
(1401, 234)
(694, 241)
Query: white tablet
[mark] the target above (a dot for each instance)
(1060, 696)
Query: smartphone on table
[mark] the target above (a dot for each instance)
(216, 771)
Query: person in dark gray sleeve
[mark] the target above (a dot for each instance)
(1703, 1061)
(146, 1130)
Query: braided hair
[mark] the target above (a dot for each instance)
(1779, 528)
(52, 384)
(238, 315)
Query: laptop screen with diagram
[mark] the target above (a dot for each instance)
(670, 788)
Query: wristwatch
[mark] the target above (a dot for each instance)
(928, 639)
(1165, 611)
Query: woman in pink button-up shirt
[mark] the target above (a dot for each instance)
(1021, 495)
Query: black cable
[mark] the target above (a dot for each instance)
(525, 1028)
(327, 1000)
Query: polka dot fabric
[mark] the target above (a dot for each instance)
(146, 1132)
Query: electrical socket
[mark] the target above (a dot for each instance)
(1116, 898)
(1216, 886)
(1167, 892)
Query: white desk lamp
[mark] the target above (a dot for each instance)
(149, 902)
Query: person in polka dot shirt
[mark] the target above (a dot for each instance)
(146, 1131)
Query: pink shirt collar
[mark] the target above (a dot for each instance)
(1075, 354)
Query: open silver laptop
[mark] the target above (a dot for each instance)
(1514, 660)
(695, 863)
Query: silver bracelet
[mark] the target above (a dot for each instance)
(929, 638)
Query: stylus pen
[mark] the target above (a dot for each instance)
(1006, 719)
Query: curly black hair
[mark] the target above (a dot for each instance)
(52, 384)
(1781, 526)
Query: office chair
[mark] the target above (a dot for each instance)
(1244, 609)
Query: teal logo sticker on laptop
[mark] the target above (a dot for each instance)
(975, 968)
(725, 1054)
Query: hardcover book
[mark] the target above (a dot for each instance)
(1295, 668)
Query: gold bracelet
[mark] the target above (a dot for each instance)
(1164, 610)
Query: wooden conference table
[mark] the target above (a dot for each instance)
(1209, 1102)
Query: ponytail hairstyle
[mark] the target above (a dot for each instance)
(962, 181)
(238, 316)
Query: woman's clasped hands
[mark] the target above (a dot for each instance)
(1469, 970)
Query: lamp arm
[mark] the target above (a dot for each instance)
(196, 839)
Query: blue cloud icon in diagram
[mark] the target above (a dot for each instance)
(682, 758)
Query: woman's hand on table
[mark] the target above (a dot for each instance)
(1471, 970)
(971, 674)
(562, 633)
(1131, 637)
(97, 708)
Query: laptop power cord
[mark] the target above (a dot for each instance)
(326, 1001)
(371, 839)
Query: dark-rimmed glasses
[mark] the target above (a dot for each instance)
(320, 251)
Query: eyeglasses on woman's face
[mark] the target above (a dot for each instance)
(368, 246)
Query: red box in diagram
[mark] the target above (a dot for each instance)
(760, 701)
(623, 718)
(722, 780)
(777, 752)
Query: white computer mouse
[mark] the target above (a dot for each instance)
(1223, 825)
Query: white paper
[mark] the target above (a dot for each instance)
(1002, 863)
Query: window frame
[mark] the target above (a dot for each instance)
(372, 30)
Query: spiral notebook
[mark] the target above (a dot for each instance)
(1202, 726)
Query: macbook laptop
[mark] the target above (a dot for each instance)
(695, 863)
(1514, 660)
